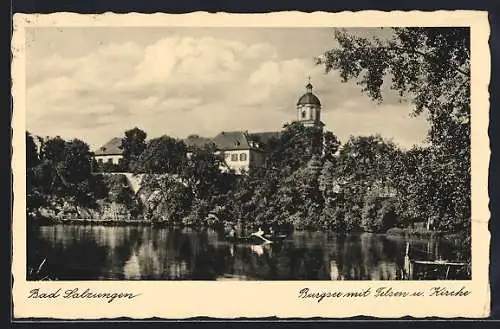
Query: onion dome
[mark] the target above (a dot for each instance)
(309, 98)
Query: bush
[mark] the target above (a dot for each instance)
(370, 217)
(119, 189)
(387, 216)
(378, 214)
(396, 231)
(353, 219)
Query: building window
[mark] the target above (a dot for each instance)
(234, 157)
(303, 114)
(99, 161)
(110, 160)
(243, 157)
(226, 156)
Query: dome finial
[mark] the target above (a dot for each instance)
(309, 86)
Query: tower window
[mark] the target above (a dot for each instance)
(303, 114)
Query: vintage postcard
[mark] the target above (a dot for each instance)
(285, 165)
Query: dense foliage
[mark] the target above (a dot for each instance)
(133, 144)
(308, 187)
(161, 155)
(310, 180)
(362, 184)
(431, 68)
(61, 168)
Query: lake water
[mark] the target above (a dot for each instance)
(91, 252)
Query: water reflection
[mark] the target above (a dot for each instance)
(79, 252)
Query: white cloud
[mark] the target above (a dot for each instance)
(183, 85)
(182, 62)
(261, 50)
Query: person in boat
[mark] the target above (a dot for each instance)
(259, 233)
(232, 233)
(239, 228)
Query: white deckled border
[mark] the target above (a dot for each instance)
(174, 299)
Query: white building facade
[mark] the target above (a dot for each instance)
(110, 153)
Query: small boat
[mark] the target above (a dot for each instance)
(251, 239)
(275, 237)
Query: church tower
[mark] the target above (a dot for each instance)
(309, 109)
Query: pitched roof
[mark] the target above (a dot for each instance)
(266, 136)
(242, 140)
(112, 147)
(232, 140)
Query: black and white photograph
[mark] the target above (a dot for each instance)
(248, 153)
(334, 163)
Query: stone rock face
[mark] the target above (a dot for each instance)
(121, 199)
(47, 212)
(68, 211)
(88, 213)
(115, 211)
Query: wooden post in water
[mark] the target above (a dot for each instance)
(408, 268)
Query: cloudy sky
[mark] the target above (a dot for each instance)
(95, 83)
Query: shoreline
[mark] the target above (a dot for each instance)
(43, 221)
(393, 232)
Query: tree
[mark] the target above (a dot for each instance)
(53, 149)
(118, 189)
(165, 198)
(369, 218)
(331, 145)
(133, 144)
(366, 158)
(431, 67)
(201, 172)
(411, 177)
(326, 179)
(387, 215)
(62, 172)
(31, 151)
(294, 147)
(311, 195)
(378, 214)
(64, 169)
(299, 196)
(32, 160)
(162, 155)
(74, 170)
(33, 196)
(330, 216)
(75, 165)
